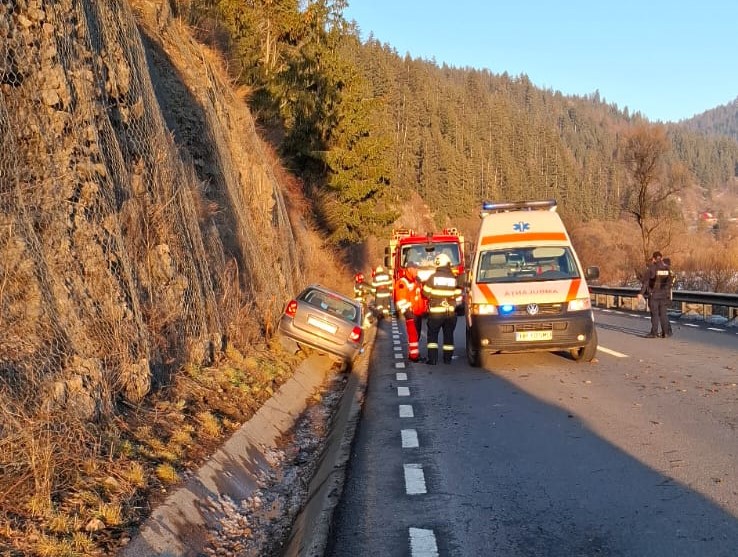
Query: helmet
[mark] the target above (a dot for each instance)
(359, 277)
(379, 270)
(442, 260)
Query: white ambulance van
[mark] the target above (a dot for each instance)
(526, 289)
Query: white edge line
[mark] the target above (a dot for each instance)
(612, 352)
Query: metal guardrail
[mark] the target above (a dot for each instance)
(711, 303)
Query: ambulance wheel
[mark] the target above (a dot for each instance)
(473, 353)
(587, 352)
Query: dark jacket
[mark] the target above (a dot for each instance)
(441, 290)
(660, 280)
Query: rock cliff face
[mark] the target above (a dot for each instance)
(139, 219)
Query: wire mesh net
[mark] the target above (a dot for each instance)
(121, 254)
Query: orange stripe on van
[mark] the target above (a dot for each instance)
(524, 237)
(488, 295)
(573, 289)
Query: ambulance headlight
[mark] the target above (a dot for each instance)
(580, 304)
(483, 309)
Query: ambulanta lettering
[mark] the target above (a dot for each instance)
(531, 292)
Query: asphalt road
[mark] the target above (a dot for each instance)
(537, 455)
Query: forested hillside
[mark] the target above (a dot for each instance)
(364, 126)
(721, 120)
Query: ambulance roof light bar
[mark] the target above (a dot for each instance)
(490, 207)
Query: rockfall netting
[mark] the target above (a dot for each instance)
(123, 254)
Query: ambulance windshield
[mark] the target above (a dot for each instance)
(527, 264)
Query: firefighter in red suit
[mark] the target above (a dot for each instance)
(411, 305)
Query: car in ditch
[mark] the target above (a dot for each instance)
(324, 320)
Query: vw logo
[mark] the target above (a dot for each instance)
(532, 309)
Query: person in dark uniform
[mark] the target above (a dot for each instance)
(657, 285)
(667, 261)
(441, 290)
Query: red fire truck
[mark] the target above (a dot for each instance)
(406, 245)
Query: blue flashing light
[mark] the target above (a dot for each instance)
(507, 309)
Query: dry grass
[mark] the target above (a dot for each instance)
(57, 491)
(167, 474)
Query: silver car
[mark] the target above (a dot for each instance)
(326, 321)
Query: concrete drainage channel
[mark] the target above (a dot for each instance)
(183, 524)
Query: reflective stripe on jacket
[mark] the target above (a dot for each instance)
(442, 289)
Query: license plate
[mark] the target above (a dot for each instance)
(527, 336)
(322, 325)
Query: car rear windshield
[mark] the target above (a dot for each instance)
(527, 264)
(332, 304)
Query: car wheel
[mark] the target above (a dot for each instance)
(587, 352)
(473, 355)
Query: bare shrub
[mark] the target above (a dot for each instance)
(613, 246)
(710, 266)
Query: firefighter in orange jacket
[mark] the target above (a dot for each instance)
(410, 305)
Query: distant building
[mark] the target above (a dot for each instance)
(708, 218)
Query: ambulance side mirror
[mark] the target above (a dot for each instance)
(592, 273)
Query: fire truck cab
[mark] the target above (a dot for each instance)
(406, 246)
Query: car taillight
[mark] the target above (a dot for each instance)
(355, 334)
(291, 309)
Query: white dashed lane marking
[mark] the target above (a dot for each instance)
(414, 479)
(716, 329)
(403, 391)
(399, 365)
(401, 376)
(409, 439)
(398, 355)
(406, 411)
(423, 543)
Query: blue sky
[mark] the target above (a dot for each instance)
(667, 60)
